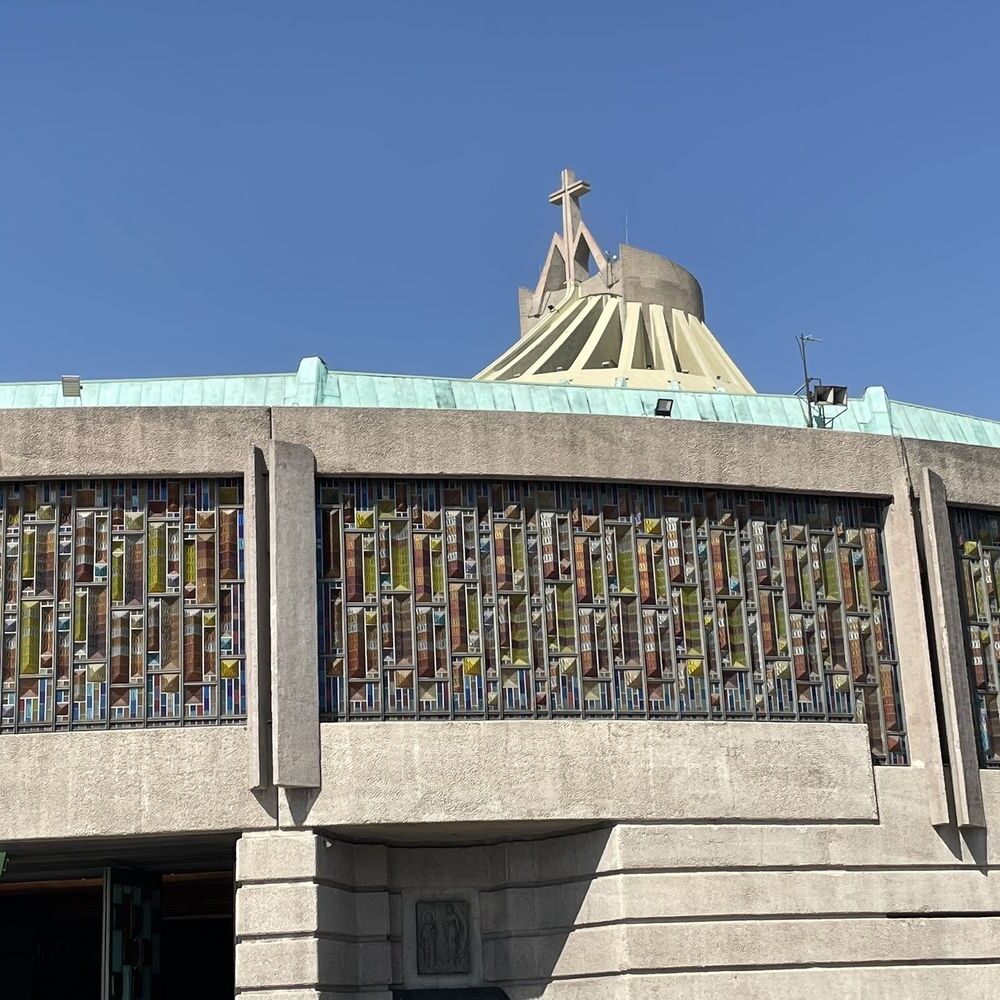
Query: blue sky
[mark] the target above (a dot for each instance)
(227, 187)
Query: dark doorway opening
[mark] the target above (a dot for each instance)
(197, 948)
(50, 940)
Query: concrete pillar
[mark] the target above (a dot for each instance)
(294, 640)
(916, 676)
(258, 632)
(312, 918)
(956, 696)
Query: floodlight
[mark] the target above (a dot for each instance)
(830, 395)
(71, 385)
(663, 407)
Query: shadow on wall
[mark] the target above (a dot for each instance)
(525, 897)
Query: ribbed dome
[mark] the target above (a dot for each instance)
(638, 321)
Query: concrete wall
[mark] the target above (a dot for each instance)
(885, 908)
(624, 859)
(391, 773)
(135, 782)
(649, 278)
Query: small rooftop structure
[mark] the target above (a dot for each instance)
(630, 319)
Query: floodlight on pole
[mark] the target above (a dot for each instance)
(829, 395)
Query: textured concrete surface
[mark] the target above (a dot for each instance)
(740, 860)
(571, 446)
(969, 473)
(160, 441)
(915, 669)
(648, 278)
(303, 920)
(439, 772)
(258, 622)
(128, 783)
(955, 692)
(294, 640)
(649, 909)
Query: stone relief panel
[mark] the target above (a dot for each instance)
(443, 932)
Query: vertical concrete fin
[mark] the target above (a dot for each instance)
(663, 351)
(597, 335)
(953, 675)
(294, 639)
(916, 670)
(258, 601)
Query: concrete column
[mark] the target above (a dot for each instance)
(258, 603)
(312, 918)
(916, 676)
(294, 639)
(953, 673)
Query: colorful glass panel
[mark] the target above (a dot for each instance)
(478, 599)
(123, 603)
(977, 536)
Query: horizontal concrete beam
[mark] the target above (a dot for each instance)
(390, 442)
(735, 894)
(130, 441)
(441, 772)
(978, 981)
(734, 944)
(129, 783)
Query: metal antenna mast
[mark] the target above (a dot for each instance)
(803, 339)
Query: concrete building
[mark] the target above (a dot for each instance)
(328, 685)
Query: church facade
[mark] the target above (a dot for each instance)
(596, 676)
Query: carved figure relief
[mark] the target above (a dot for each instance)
(443, 937)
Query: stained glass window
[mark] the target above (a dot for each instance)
(475, 599)
(977, 534)
(123, 603)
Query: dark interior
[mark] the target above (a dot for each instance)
(51, 938)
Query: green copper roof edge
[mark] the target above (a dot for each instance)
(314, 384)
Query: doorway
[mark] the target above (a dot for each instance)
(54, 941)
(50, 940)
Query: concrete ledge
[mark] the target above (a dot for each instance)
(390, 442)
(941, 981)
(446, 772)
(129, 441)
(969, 472)
(128, 783)
(734, 895)
(300, 855)
(735, 944)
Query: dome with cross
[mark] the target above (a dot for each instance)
(631, 319)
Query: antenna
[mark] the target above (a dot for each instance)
(821, 395)
(626, 227)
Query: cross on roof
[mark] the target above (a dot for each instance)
(569, 195)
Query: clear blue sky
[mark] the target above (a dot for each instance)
(227, 187)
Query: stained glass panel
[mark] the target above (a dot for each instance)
(977, 535)
(476, 599)
(123, 603)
